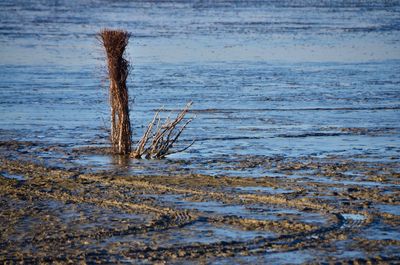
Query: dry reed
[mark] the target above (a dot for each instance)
(159, 139)
(115, 42)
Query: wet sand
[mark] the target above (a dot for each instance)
(55, 214)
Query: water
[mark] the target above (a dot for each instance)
(12, 176)
(268, 78)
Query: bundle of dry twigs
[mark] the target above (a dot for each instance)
(115, 42)
(158, 139)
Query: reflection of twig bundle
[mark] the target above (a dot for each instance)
(164, 136)
(115, 42)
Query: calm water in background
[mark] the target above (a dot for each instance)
(268, 78)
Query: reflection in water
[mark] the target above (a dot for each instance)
(120, 161)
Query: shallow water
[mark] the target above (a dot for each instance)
(12, 176)
(288, 78)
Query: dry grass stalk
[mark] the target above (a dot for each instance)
(115, 42)
(163, 137)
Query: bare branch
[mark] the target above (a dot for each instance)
(164, 137)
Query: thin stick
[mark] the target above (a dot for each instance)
(141, 146)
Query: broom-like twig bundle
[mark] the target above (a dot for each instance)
(163, 137)
(115, 42)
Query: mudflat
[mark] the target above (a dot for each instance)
(320, 210)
